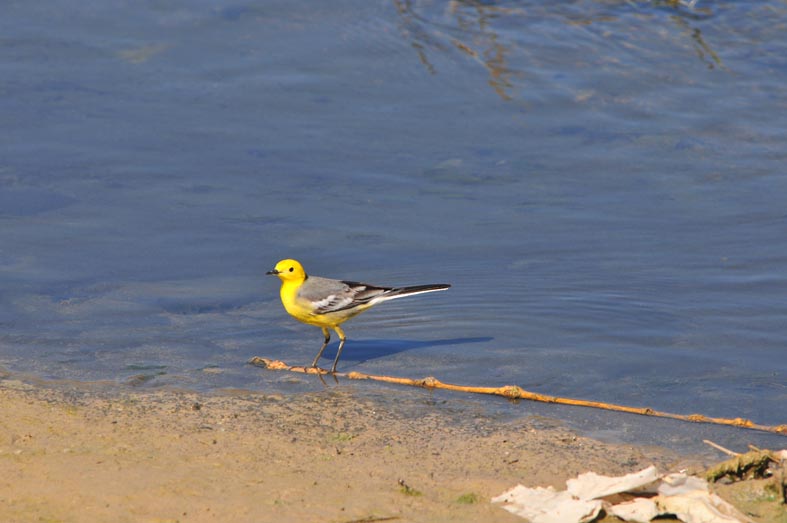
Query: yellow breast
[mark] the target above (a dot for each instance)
(302, 309)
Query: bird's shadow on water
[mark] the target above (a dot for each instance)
(361, 351)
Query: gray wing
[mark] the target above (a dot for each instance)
(327, 295)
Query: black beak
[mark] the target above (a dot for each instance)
(272, 271)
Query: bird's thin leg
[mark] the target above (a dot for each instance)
(327, 334)
(342, 339)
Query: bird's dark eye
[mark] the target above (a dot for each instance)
(292, 268)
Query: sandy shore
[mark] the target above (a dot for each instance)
(72, 454)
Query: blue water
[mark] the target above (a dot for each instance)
(602, 182)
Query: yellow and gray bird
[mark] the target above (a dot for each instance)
(328, 303)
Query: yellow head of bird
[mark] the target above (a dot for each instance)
(289, 270)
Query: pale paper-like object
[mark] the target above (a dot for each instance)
(578, 504)
(545, 505)
(678, 483)
(689, 499)
(686, 497)
(638, 510)
(593, 486)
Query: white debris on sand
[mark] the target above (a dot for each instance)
(546, 505)
(637, 497)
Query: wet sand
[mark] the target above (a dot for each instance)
(79, 453)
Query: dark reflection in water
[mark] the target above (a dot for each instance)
(504, 37)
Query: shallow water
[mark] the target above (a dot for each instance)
(602, 182)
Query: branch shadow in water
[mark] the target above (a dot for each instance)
(470, 27)
(361, 351)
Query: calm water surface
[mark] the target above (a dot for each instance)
(602, 182)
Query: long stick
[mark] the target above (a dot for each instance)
(516, 392)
